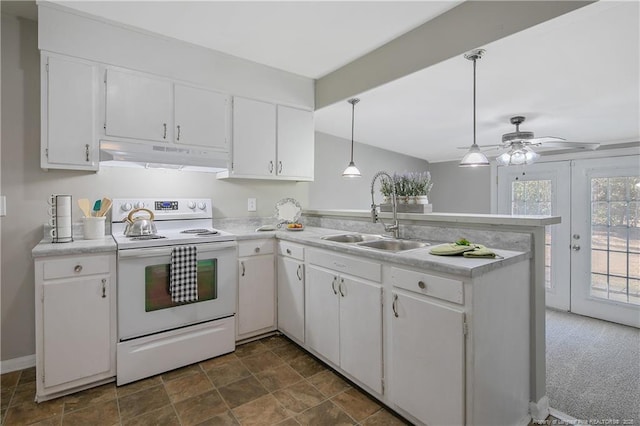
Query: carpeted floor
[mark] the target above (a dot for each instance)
(593, 369)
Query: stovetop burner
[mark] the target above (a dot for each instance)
(200, 231)
(146, 237)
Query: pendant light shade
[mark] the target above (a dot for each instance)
(474, 157)
(352, 170)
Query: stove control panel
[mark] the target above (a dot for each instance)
(164, 209)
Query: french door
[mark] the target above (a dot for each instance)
(592, 259)
(542, 189)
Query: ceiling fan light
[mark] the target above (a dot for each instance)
(518, 156)
(351, 171)
(474, 158)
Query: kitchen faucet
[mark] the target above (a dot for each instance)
(394, 206)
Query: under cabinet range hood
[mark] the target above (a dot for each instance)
(157, 155)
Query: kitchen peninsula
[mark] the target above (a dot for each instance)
(523, 238)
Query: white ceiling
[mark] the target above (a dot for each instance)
(576, 76)
(309, 38)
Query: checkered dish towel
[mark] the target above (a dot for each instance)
(183, 281)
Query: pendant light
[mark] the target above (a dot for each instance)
(474, 157)
(352, 170)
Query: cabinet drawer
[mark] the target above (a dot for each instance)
(75, 267)
(429, 285)
(255, 247)
(348, 265)
(291, 250)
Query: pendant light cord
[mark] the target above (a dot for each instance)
(474, 100)
(353, 111)
(353, 103)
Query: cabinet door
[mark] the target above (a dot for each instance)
(361, 331)
(201, 117)
(256, 294)
(76, 329)
(138, 107)
(254, 138)
(322, 331)
(291, 297)
(426, 376)
(295, 143)
(68, 114)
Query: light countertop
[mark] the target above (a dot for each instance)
(78, 246)
(418, 258)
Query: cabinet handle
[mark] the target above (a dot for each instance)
(178, 138)
(86, 152)
(288, 251)
(257, 249)
(333, 285)
(104, 288)
(243, 269)
(394, 305)
(270, 166)
(298, 272)
(77, 269)
(422, 285)
(164, 134)
(340, 287)
(279, 166)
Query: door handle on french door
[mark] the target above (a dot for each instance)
(575, 247)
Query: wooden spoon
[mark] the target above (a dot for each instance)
(85, 206)
(105, 205)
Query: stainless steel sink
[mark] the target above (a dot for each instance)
(352, 238)
(394, 245)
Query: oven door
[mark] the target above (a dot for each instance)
(144, 303)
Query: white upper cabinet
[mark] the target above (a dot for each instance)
(271, 141)
(201, 117)
(254, 138)
(295, 143)
(138, 106)
(68, 106)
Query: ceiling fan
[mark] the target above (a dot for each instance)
(519, 145)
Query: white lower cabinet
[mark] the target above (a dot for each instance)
(75, 323)
(291, 290)
(344, 316)
(256, 313)
(438, 348)
(427, 359)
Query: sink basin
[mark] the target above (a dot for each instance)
(352, 238)
(394, 245)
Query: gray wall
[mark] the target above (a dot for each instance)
(27, 186)
(331, 191)
(460, 189)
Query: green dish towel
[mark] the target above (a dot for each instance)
(451, 249)
(472, 251)
(480, 252)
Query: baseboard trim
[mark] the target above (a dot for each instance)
(564, 417)
(539, 410)
(16, 364)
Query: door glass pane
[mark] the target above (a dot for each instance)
(615, 238)
(533, 197)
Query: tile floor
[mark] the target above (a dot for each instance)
(267, 382)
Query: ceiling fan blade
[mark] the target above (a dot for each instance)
(482, 146)
(545, 139)
(570, 145)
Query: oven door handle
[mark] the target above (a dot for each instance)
(166, 251)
